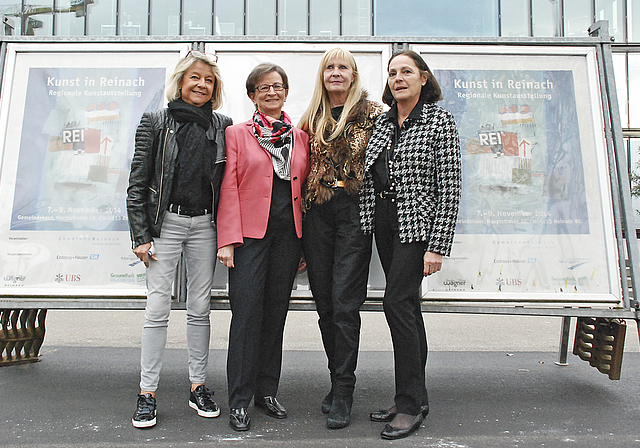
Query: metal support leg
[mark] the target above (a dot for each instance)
(21, 335)
(564, 341)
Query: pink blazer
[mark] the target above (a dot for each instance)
(245, 195)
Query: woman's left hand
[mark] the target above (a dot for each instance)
(432, 263)
(225, 255)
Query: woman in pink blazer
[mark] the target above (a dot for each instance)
(259, 231)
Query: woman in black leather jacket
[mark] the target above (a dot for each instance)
(172, 198)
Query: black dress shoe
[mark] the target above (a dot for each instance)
(239, 419)
(270, 406)
(391, 433)
(326, 403)
(340, 413)
(385, 415)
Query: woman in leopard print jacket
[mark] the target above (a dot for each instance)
(339, 122)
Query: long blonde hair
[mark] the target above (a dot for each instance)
(175, 80)
(317, 118)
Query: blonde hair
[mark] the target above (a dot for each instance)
(175, 80)
(317, 118)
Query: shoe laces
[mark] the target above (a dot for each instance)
(204, 394)
(146, 403)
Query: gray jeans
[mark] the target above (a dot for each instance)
(196, 237)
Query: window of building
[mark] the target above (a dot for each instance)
(292, 17)
(514, 18)
(38, 21)
(13, 10)
(325, 17)
(578, 17)
(229, 20)
(133, 18)
(546, 18)
(261, 17)
(39, 25)
(634, 90)
(612, 11)
(101, 18)
(620, 73)
(633, 14)
(634, 167)
(411, 18)
(165, 18)
(196, 16)
(71, 21)
(356, 17)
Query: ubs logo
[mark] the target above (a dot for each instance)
(500, 282)
(67, 278)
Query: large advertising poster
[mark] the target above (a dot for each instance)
(535, 221)
(70, 124)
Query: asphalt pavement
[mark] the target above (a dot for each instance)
(493, 382)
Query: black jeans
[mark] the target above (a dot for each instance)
(259, 291)
(403, 265)
(338, 254)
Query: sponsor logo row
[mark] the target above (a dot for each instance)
(124, 277)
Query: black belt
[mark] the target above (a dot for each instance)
(181, 211)
(387, 194)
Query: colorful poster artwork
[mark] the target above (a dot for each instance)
(522, 156)
(76, 146)
(535, 219)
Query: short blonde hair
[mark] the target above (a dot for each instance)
(175, 80)
(317, 118)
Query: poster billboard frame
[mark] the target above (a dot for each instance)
(547, 306)
(461, 58)
(21, 62)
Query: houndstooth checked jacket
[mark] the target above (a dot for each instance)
(427, 171)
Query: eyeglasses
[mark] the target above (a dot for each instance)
(278, 86)
(199, 54)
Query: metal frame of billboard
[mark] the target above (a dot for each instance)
(619, 186)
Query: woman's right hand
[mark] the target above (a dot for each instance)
(142, 252)
(225, 255)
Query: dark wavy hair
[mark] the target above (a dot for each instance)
(431, 91)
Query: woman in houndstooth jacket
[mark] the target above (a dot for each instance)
(409, 199)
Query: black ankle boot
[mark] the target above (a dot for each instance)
(340, 413)
(326, 403)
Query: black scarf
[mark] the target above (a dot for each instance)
(195, 160)
(184, 112)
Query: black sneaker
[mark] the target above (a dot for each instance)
(145, 415)
(201, 400)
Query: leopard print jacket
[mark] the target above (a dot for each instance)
(343, 157)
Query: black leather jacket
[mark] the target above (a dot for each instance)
(152, 170)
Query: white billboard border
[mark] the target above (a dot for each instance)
(12, 52)
(586, 51)
(614, 297)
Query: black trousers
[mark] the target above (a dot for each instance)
(403, 267)
(338, 255)
(259, 291)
